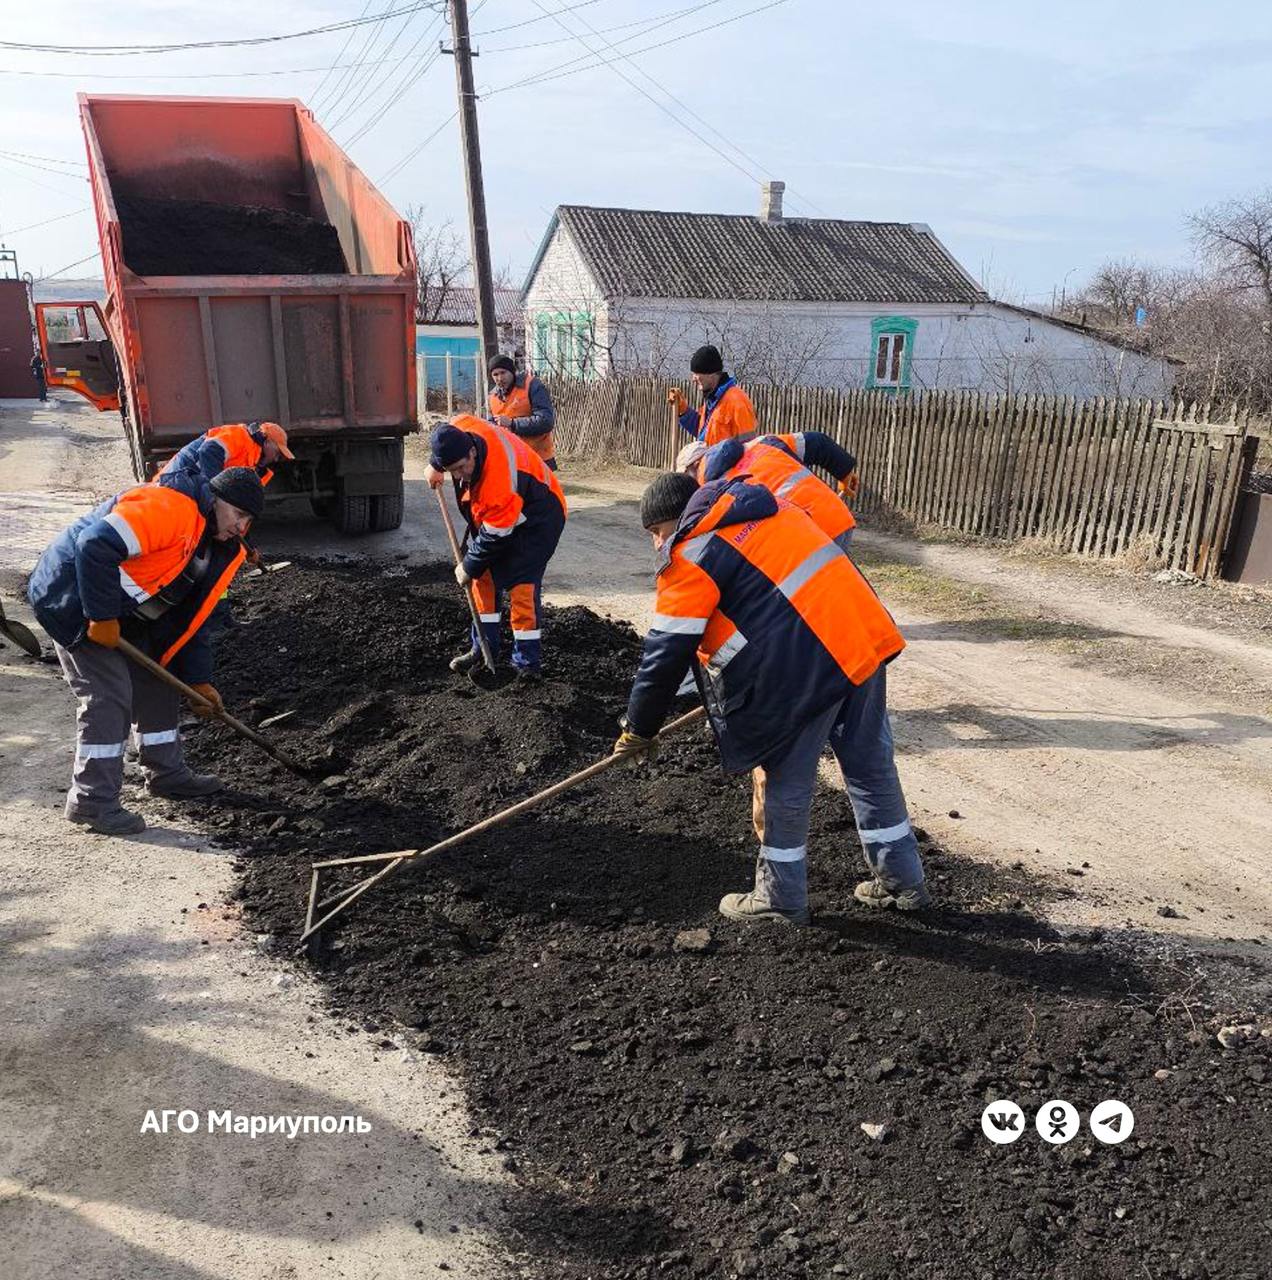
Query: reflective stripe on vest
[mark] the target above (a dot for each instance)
(163, 519)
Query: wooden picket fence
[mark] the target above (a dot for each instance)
(1102, 478)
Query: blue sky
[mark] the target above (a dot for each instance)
(1037, 140)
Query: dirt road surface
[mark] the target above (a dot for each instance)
(1082, 736)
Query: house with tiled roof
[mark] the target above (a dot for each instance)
(813, 301)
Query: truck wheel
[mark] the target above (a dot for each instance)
(353, 513)
(386, 511)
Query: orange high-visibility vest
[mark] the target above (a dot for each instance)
(162, 529)
(785, 477)
(516, 404)
(495, 502)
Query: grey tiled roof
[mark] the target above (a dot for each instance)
(648, 254)
(458, 305)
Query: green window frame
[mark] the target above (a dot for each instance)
(562, 341)
(891, 352)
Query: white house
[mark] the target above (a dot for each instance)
(799, 300)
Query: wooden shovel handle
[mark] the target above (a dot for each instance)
(486, 656)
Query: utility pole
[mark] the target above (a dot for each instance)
(488, 333)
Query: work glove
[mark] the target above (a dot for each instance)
(462, 576)
(207, 692)
(253, 556)
(848, 487)
(105, 633)
(633, 745)
(434, 477)
(677, 397)
(503, 420)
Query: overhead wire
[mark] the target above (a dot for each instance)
(132, 50)
(69, 266)
(31, 226)
(341, 86)
(344, 48)
(652, 79)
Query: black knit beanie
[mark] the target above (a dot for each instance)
(666, 497)
(706, 360)
(241, 487)
(503, 362)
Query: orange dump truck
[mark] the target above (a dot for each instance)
(252, 274)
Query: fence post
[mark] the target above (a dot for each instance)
(450, 388)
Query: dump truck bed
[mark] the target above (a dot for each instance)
(329, 354)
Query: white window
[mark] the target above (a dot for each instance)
(889, 359)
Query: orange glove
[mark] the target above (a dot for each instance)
(105, 633)
(208, 692)
(676, 396)
(848, 487)
(253, 556)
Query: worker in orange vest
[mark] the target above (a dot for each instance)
(790, 647)
(150, 565)
(520, 403)
(516, 513)
(258, 445)
(726, 409)
(781, 464)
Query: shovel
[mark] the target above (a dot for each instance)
(486, 656)
(20, 636)
(134, 654)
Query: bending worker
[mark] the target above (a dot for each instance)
(781, 464)
(150, 565)
(515, 511)
(792, 644)
(258, 445)
(726, 409)
(521, 404)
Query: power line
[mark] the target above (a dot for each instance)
(26, 177)
(340, 87)
(130, 50)
(410, 155)
(373, 90)
(26, 155)
(570, 67)
(69, 266)
(652, 21)
(687, 108)
(31, 226)
(194, 75)
(15, 157)
(318, 88)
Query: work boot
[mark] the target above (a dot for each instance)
(873, 893)
(463, 662)
(187, 787)
(529, 676)
(775, 883)
(117, 822)
(753, 906)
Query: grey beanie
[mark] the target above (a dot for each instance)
(666, 497)
(241, 487)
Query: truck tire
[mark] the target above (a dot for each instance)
(386, 511)
(353, 513)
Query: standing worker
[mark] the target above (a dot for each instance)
(149, 564)
(521, 404)
(515, 511)
(37, 372)
(781, 464)
(258, 445)
(792, 644)
(726, 409)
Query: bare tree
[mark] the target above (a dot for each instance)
(441, 264)
(1236, 239)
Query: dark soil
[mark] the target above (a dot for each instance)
(693, 1105)
(194, 238)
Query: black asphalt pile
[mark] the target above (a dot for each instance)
(195, 238)
(685, 1097)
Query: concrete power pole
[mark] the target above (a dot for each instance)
(478, 233)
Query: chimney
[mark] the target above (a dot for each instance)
(771, 201)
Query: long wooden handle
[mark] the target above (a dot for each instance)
(394, 860)
(486, 656)
(162, 673)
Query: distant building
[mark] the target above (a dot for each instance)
(447, 325)
(818, 301)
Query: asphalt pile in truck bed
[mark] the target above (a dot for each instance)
(680, 1096)
(196, 238)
